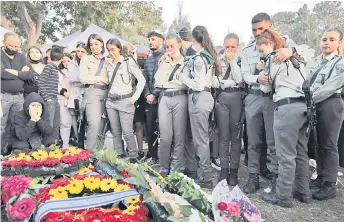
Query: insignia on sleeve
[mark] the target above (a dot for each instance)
(198, 65)
(340, 69)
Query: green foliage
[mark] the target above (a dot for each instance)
(307, 26)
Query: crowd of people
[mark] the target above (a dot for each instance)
(180, 89)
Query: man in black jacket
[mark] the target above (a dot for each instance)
(11, 86)
(31, 125)
(156, 40)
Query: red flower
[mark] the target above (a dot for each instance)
(124, 174)
(42, 197)
(59, 216)
(69, 159)
(84, 155)
(63, 181)
(80, 176)
(234, 209)
(94, 214)
(51, 161)
(35, 163)
(23, 209)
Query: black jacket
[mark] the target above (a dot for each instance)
(24, 128)
(151, 66)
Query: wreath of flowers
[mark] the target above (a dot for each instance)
(78, 185)
(47, 158)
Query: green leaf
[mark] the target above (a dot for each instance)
(176, 219)
(12, 199)
(45, 181)
(137, 182)
(36, 186)
(148, 197)
(185, 210)
(24, 195)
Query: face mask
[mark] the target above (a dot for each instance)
(35, 61)
(10, 51)
(141, 62)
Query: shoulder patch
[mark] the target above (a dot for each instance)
(340, 69)
(198, 64)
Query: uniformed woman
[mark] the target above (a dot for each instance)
(77, 91)
(173, 106)
(93, 74)
(290, 122)
(120, 103)
(228, 109)
(326, 78)
(198, 77)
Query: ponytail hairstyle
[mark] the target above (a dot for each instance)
(341, 46)
(201, 35)
(179, 40)
(268, 37)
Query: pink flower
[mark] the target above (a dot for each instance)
(50, 161)
(253, 218)
(234, 209)
(22, 209)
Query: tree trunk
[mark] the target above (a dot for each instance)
(33, 28)
(7, 24)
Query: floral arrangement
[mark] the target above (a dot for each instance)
(188, 189)
(47, 158)
(238, 211)
(46, 161)
(16, 195)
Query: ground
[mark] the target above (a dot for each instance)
(317, 211)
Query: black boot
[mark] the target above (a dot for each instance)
(327, 191)
(233, 177)
(303, 198)
(266, 173)
(252, 184)
(273, 183)
(317, 183)
(273, 199)
(223, 174)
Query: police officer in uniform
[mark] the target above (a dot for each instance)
(229, 109)
(93, 75)
(259, 106)
(326, 80)
(120, 102)
(290, 122)
(173, 106)
(198, 78)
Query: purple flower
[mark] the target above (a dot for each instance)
(247, 207)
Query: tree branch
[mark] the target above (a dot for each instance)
(7, 24)
(23, 15)
(39, 23)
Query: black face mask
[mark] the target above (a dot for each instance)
(10, 51)
(35, 61)
(141, 62)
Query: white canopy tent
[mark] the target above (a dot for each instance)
(71, 41)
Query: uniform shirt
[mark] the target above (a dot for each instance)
(165, 69)
(88, 68)
(235, 78)
(48, 82)
(286, 80)
(123, 82)
(198, 73)
(251, 57)
(323, 87)
(9, 82)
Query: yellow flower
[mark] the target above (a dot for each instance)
(75, 186)
(107, 184)
(56, 154)
(133, 200)
(58, 193)
(121, 187)
(40, 154)
(72, 151)
(130, 210)
(91, 183)
(34, 181)
(13, 158)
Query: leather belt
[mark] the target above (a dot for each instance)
(102, 87)
(258, 92)
(12, 93)
(206, 89)
(173, 93)
(119, 97)
(289, 101)
(79, 84)
(335, 95)
(232, 89)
